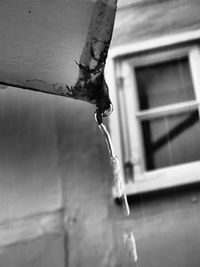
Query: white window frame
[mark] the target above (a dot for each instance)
(120, 64)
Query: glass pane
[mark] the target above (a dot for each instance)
(171, 140)
(164, 83)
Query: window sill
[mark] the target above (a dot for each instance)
(164, 178)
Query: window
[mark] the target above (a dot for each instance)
(167, 137)
(156, 126)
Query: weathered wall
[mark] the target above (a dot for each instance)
(46, 140)
(29, 153)
(30, 185)
(52, 153)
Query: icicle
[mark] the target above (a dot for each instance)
(129, 241)
(128, 236)
(118, 183)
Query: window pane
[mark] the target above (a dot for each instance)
(164, 83)
(171, 140)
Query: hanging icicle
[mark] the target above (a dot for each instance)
(118, 182)
(128, 236)
(129, 241)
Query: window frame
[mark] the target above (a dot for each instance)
(120, 67)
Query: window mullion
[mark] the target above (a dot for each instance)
(167, 110)
(194, 59)
(136, 144)
(124, 120)
(114, 123)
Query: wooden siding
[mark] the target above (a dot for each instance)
(142, 20)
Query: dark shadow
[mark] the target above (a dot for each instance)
(176, 131)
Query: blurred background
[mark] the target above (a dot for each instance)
(56, 201)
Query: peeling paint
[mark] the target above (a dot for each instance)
(91, 85)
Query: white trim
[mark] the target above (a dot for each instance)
(114, 125)
(194, 59)
(165, 178)
(133, 125)
(127, 151)
(167, 110)
(145, 181)
(160, 56)
(153, 43)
